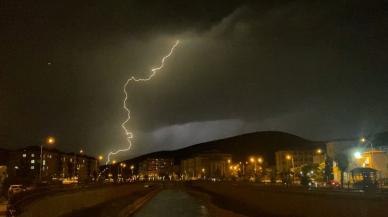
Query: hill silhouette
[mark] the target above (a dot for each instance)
(263, 144)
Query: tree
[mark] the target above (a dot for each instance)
(328, 171)
(343, 162)
(311, 173)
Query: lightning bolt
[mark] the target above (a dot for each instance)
(128, 133)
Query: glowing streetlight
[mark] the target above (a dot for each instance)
(252, 160)
(229, 161)
(288, 157)
(132, 167)
(363, 140)
(49, 141)
(260, 160)
(357, 155)
(81, 151)
(100, 157)
(114, 162)
(319, 151)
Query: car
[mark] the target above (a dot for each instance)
(15, 189)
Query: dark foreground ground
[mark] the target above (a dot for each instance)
(223, 199)
(174, 200)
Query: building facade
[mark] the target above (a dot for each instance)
(156, 168)
(288, 160)
(31, 164)
(206, 166)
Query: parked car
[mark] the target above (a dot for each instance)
(15, 189)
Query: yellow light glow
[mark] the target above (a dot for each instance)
(252, 160)
(50, 140)
(100, 157)
(260, 160)
(114, 162)
(288, 157)
(319, 151)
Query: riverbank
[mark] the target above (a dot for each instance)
(250, 200)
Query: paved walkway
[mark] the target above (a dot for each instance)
(3, 207)
(173, 203)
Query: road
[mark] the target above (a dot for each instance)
(173, 203)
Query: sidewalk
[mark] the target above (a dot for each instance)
(3, 207)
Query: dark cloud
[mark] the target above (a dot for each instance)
(306, 67)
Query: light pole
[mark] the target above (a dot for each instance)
(49, 141)
(365, 141)
(132, 167)
(254, 163)
(291, 158)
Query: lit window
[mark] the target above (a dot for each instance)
(24, 155)
(83, 161)
(16, 167)
(50, 156)
(71, 160)
(44, 162)
(32, 161)
(32, 167)
(32, 155)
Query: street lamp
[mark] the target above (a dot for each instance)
(364, 140)
(49, 141)
(100, 157)
(291, 158)
(319, 151)
(81, 151)
(132, 167)
(357, 155)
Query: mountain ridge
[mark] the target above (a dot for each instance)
(263, 143)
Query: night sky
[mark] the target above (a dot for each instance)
(317, 69)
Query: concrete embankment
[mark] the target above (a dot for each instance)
(60, 204)
(253, 200)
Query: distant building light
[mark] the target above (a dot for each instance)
(44, 162)
(16, 167)
(24, 155)
(32, 167)
(32, 161)
(32, 155)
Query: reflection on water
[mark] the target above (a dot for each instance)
(173, 203)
